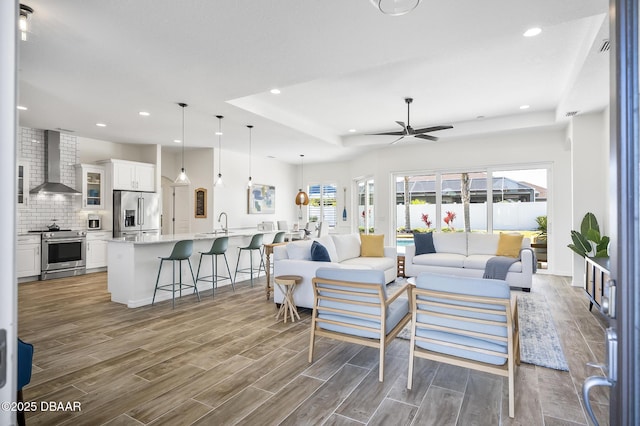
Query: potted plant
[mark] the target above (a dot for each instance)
(542, 229)
(589, 242)
(540, 240)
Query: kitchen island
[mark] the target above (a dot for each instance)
(134, 262)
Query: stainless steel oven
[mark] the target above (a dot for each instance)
(63, 254)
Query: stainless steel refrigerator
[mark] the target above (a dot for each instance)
(135, 213)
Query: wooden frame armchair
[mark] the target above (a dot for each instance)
(352, 305)
(469, 322)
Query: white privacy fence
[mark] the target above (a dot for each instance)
(506, 216)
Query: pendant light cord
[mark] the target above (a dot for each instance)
(250, 127)
(183, 105)
(220, 117)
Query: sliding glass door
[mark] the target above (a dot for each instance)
(366, 212)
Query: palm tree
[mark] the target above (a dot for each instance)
(465, 194)
(407, 205)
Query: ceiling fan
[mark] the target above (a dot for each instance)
(407, 130)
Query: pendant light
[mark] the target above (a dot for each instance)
(23, 21)
(219, 183)
(182, 178)
(249, 183)
(302, 199)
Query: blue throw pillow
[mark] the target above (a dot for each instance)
(319, 253)
(424, 243)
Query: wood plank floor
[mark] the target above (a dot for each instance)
(227, 361)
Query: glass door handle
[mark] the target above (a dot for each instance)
(589, 384)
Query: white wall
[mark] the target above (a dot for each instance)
(232, 198)
(537, 146)
(590, 166)
(92, 150)
(197, 163)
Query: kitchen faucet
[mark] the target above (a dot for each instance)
(226, 225)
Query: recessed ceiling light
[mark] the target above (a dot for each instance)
(352, 130)
(22, 108)
(101, 125)
(144, 113)
(524, 106)
(532, 32)
(177, 140)
(275, 91)
(219, 133)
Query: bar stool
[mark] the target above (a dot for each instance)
(218, 248)
(277, 239)
(255, 244)
(182, 250)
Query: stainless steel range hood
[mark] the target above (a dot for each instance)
(52, 183)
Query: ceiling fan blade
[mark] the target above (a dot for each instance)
(387, 133)
(402, 124)
(433, 129)
(397, 140)
(427, 137)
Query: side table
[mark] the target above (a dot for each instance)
(268, 250)
(401, 266)
(287, 284)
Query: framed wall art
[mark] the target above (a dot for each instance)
(200, 203)
(261, 199)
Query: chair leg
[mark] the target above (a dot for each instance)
(229, 271)
(20, 417)
(251, 266)
(195, 287)
(199, 263)
(214, 277)
(173, 285)
(157, 280)
(313, 336)
(235, 275)
(381, 369)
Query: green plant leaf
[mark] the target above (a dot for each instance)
(589, 222)
(576, 249)
(581, 245)
(602, 249)
(593, 235)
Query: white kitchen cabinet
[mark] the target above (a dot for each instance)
(97, 249)
(28, 258)
(133, 176)
(90, 179)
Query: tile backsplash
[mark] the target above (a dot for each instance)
(40, 210)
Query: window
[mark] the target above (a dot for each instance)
(490, 200)
(366, 212)
(322, 204)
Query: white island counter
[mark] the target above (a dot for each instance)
(133, 264)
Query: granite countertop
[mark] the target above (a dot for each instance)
(157, 239)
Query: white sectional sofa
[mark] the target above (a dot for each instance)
(466, 254)
(344, 250)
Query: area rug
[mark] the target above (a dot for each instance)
(539, 340)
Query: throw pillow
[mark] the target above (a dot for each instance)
(372, 245)
(424, 243)
(319, 253)
(509, 245)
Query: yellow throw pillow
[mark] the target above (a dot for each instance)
(371, 245)
(509, 245)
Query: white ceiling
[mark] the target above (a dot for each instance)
(340, 65)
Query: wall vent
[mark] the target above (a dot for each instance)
(571, 114)
(60, 129)
(605, 46)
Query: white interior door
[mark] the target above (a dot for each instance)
(182, 209)
(176, 208)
